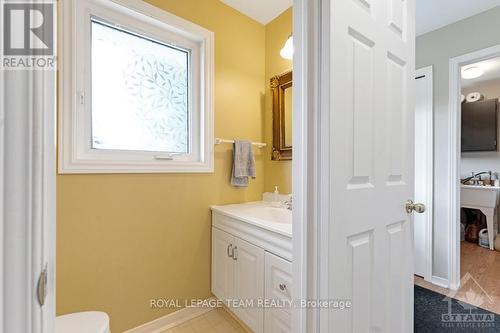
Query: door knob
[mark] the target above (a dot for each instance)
(414, 207)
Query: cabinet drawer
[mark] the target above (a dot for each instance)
(278, 279)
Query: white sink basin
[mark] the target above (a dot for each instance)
(266, 213)
(260, 214)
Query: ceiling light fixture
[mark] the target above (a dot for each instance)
(287, 50)
(472, 72)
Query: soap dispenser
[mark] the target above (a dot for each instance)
(275, 202)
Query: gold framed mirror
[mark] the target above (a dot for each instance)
(281, 86)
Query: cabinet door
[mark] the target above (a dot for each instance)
(222, 264)
(249, 283)
(278, 286)
(276, 321)
(479, 126)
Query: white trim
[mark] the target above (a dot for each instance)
(2, 188)
(454, 156)
(306, 21)
(172, 319)
(439, 281)
(429, 126)
(323, 154)
(75, 153)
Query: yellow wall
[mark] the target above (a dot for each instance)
(277, 32)
(124, 239)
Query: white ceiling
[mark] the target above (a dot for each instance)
(263, 11)
(491, 69)
(435, 14)
(431, 14)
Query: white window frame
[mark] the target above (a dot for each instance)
(75, 152)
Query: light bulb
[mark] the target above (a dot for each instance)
(287, 50)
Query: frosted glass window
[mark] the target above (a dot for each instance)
(140, 92)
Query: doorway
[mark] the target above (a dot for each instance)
(43, 158)
(474, 195)
(456, 66)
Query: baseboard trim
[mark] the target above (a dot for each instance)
(171, 320)
(439, 281)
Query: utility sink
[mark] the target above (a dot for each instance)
(484, 198)
(479, 195)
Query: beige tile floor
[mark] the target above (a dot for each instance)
(483, 290)
(215, 321)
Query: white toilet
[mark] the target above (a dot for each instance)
(83, 322)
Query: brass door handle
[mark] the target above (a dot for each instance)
(410, 207)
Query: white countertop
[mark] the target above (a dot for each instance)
(260, 214)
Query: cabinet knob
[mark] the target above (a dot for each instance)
(282, 286)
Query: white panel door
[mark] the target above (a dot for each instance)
(367, 112)
(222, 264)
(423, 171)
(249, 283)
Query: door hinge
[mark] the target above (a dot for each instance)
(41, 289)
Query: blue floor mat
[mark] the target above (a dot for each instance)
(434, 313)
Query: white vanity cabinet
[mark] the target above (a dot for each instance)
(248, 265)
(238, 276)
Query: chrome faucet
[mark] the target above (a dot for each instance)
(474, 179)
(289, 203)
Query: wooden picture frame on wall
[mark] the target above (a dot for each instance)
(280, 85)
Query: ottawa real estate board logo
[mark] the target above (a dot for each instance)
(28, 34)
